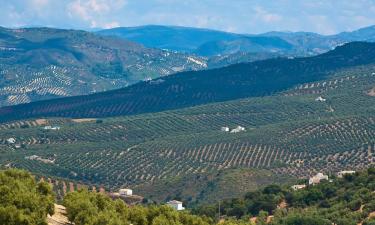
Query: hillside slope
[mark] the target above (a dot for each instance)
(195, 88)
(291, 133)
(44, 63)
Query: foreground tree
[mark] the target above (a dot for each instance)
(88, 208)
(23, 201)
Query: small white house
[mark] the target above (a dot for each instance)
(125, 192)
(298, 187)
(238, 129)
(11, 140)
(177, 205)
(317, 178)
(320, 99)
(341, 174)
(51, 128)
(225, 129)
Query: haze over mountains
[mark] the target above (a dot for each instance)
(210, 42)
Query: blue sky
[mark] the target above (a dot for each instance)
(241, 16)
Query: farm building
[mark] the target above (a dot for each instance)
(125, 192)
(11, 140)
(238, 129)
(320, 99)
(298, 187)
(51, 128)
(225, 129)
(177, 205)
(341, 174)
(317, 178)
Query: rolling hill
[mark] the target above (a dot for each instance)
(184, 153)
(207, 42)
(201, 87)
(44, 63)
(175, 38)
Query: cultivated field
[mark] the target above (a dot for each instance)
(289, 134)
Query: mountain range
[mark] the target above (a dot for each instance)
(206, 42)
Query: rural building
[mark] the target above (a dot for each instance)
(51, 128)
(225, 129)
(177, 205)
(298, 187)
(11, 140)
(238, 129)
(125, 192)
(320, 99)
(342, 173)
(317, 178)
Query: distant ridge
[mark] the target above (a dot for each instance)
(197, 40)
(44, 63)
(201, 87)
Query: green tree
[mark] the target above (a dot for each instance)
(23, 200)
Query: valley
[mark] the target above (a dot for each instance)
(161, 112)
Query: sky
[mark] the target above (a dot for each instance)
(239, 16)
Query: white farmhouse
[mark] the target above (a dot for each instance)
(125, 192)
(320, 99)
(317, 178)
(11, 140)
(341, 174)
(298, 187)
(238, 129)
(225, 129)
(51, 128)
(177, 205)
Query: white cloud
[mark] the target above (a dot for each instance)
(266, 16)
(111, 25)
(95, 12)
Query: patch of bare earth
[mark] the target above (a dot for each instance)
(41, 122)
(372, 92)
(59, 218)
(85, 120)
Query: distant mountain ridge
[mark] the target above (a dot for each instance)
(44, 63)
(207, 42)
(201, 87)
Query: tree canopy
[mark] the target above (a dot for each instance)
(23, 201)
